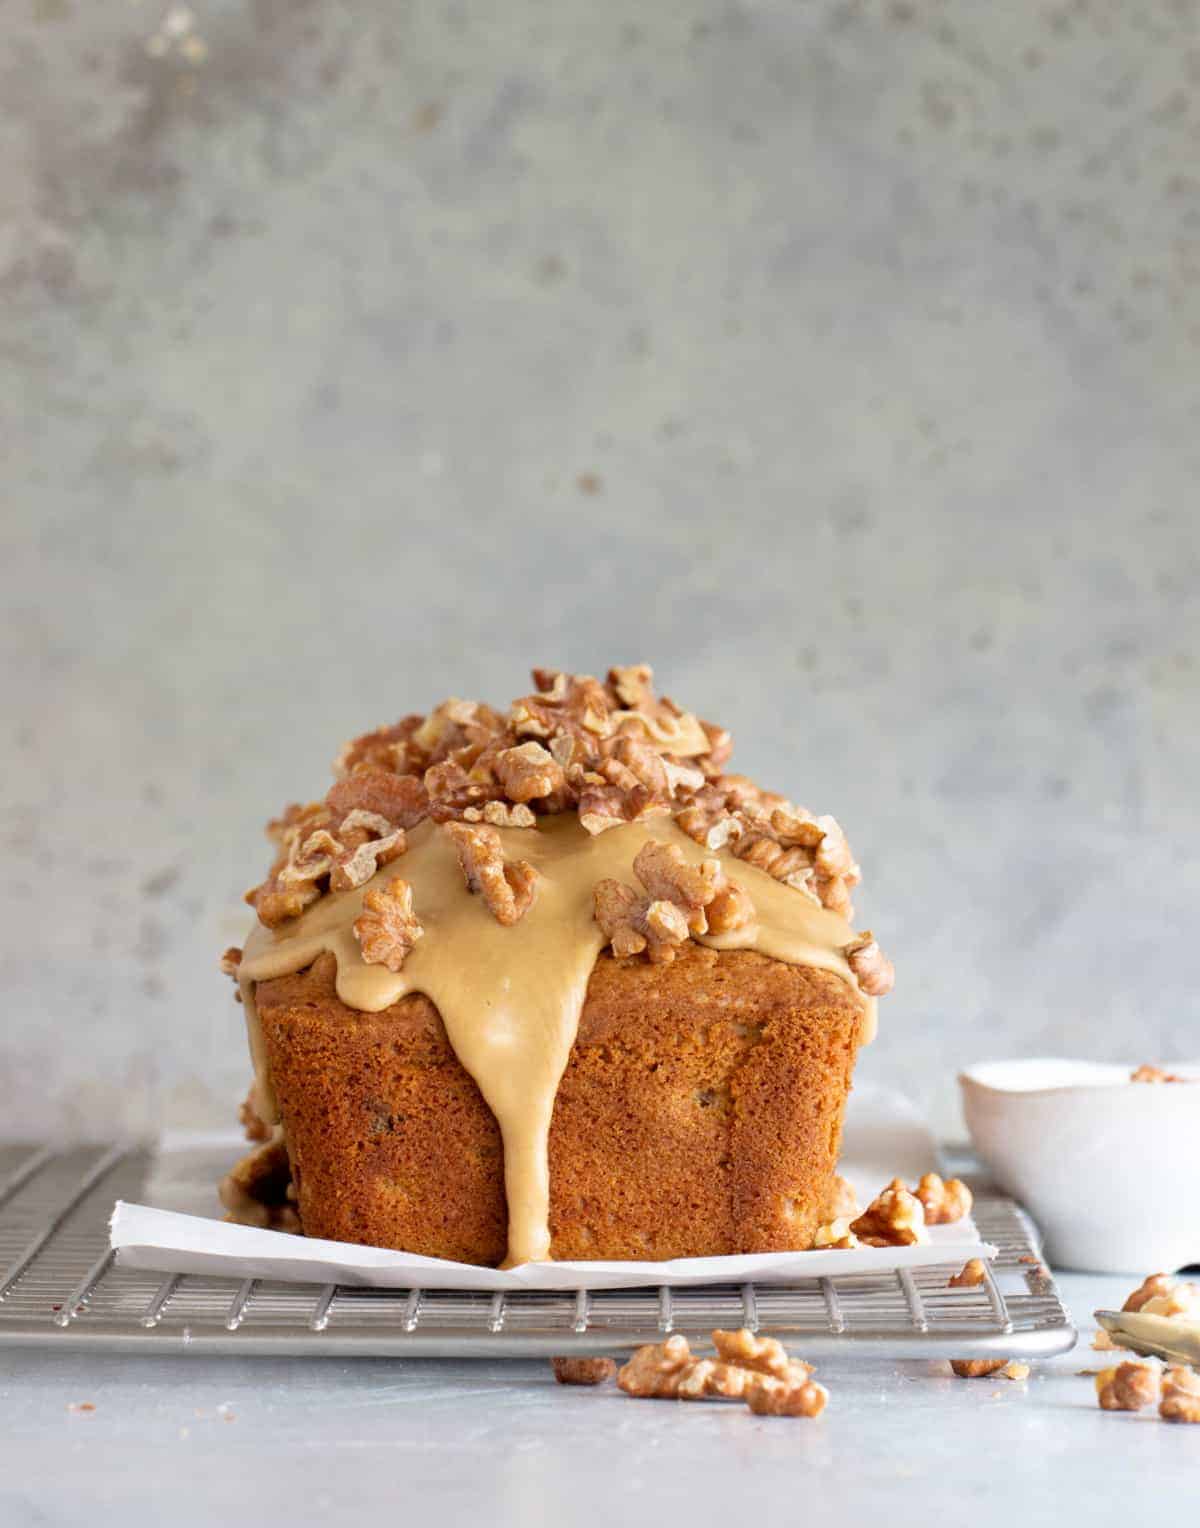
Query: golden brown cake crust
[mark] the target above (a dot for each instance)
(700, 1113)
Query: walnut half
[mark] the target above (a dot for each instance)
(507, 886)
(894, 1218)
(1127, 1387)
(1180, 1395)
(387, 927)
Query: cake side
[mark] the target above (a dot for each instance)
(699, 1113)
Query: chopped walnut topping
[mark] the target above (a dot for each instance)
(500, 815)
(681, 900)
(633, 686)
(387, 927)
(1180, 1395)
(972, 1274)
(507, 886)
(1146, 1073)
(977, 1368)
(230, 961)
(695, 889)
(401, 800)
(529, 772)
(1127, 1387)
(875, 973)
(1160, 1294)
(894, 1218)
(583, 1371)
(944, 1201)
(632, 923)
(612, 752)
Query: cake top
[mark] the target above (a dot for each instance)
(512, 882)
(611, 753)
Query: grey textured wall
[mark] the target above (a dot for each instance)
(841, 359)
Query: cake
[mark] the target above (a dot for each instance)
(551, 983)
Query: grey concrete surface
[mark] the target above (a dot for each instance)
(202, 1441)
(839, 358)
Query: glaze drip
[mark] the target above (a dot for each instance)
(511, 997)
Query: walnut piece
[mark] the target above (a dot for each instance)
(873, 970)
(529, 772)
(655, 1370)
(761, 1355)
(944, 1200)
(977, 1368)
(894, 1218)
(583, 1371)
(230, 961)
(681, 900)
(1180, 1395)
(507, 886)
(972, 1274)
(1015, 1370)
(1161, 1294)
(1145, 1073)
(387, 927)
(632, 923)
(755, 1369)
(1127, 1387)
(776, 1398)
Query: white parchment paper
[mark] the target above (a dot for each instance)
(884, 1138)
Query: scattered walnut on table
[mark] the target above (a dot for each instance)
(972, 1274)
(583, 1371)
(655, 1370)
(1180, 1395)
(755, 1369)
(777, 1398)
(894, 1218)
(1127, 1387)
(1015, 1370)
(977, 1368)
(874, 971)
(761, 1355)
(507, 886)
(387, 928)
(1161, 1294)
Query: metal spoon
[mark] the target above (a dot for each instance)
(1159, 1336)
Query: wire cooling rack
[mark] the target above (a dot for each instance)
(60, 1287)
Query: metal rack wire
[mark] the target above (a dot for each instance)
(60, 1286)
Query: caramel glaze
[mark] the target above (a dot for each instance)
(510, 998)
